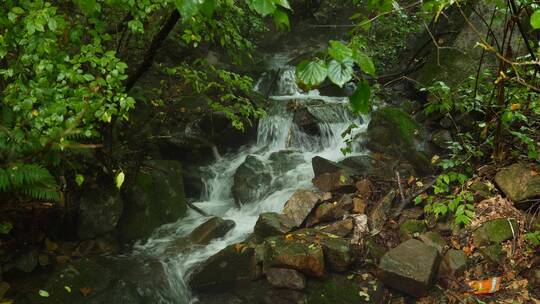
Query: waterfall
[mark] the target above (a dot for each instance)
(276, 132)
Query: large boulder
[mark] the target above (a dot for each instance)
(285, 160)
(271, 224)
(519, 181)
(410, 267)
(338, 181)
(300, 204)
(294, 252)
(252, 180)
(154, 197)
(213, 228)
(392, 131)
(231, 264)
(322, 165)
(99, 212)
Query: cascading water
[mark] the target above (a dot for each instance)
(276, 132)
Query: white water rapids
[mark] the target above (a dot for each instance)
(276, 132)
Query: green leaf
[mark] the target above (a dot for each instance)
(136, 26)
(281, 19)
(339, 51)
(17, 10)
(263, 7)
(283, 3)
(187, 8)
(340, 73)
(208, 7)
(360, 100)
(311, 73)
(43, 293)
(119, 180)
(79, 179)
(535, 19)
(88, 7)
(364, 62)
(5, 227)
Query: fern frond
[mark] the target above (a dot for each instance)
(32, 180)
(5, 184)
(42, 193)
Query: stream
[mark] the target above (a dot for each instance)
(276, 132)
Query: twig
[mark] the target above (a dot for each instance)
(413, 196)
(197, 209)
(398, 177)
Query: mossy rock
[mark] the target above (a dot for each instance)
(155, 197)
(409, 228)
(337, 289)
(493, 253)
(495, 232)
(392, 131)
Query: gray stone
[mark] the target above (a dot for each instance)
(435, 240)
(99, 212)
(410, 267)
(252, 180)
(453, 263)
(338, 254)
(271, 224)
(338, 181)
(341, 228)
(379, 213)
(300, 204)
(286, 160)
(411, 228)
(299, 253)
(519, 181)
(213, 228)
(285, 278)
(233, 263)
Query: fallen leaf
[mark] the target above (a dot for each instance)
(43, 293)
(86, 291)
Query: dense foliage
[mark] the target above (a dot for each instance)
(63, 79)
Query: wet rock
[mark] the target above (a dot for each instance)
(359, 205)
(283, 161)
(323, 165)
(434, 240)
(495, 232)
(213, 228)
(519, 181)
(299, 205)
(411, 228)
(28, 261)
(340, 228)
(441, 138)
(306, 121)
(453, 263)
(379, 213)
(330, 211)
(364, 188)
(98, 282)
(155, 197)
(337, 181)
(233, 263)
(338, 254)
(296, 253)
(362, 288)
(252, 180)
(367, 165)
(101, 245)
(271, 224)
(99, 212)
(394, 132)
(410, 267)
(285, 278)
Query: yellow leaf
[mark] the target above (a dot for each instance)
(119, 180)
(515, 106)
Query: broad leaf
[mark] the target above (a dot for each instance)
(119, 180)
(263, 7)
(340, 73)
(283, 3)
(365, 63)
(360, 99)
(281, 19)
(208, 7)
(187, 8)
(535, 19)
(311, 73)
(339, 51)
(88, 7)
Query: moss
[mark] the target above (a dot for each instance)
(408, 228)
(405, 126)
(337, 289)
